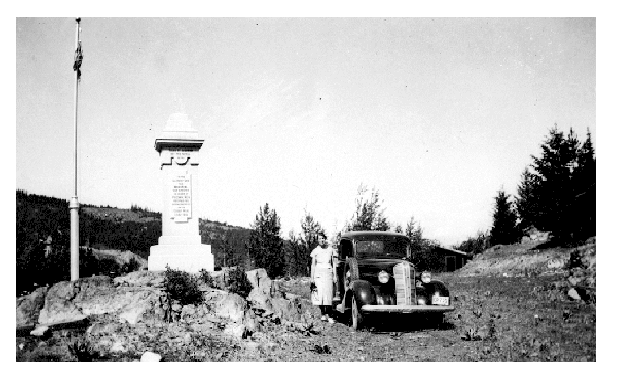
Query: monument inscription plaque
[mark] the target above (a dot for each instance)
(181, 197)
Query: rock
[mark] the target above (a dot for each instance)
(227, 305)
(177, 307)
(60, 311)
(236, 330)
(118, 347)
(291, 296)
(40, 331)
(188, 311)
(97, 296)
(260, 300)
(143, 278)
(204, 328)
(98, 329)
(285, 309)
(150, 357)
(251, 346)
(132, 315)
(29, 307)
(574, 295)
(261, 283)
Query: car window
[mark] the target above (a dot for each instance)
(390, 248)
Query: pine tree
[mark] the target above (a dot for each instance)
(368, 213)
(504, 230)
(528, 207)
(265, 246)
(558, 195)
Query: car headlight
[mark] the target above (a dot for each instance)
(426, 277)
(384, 276)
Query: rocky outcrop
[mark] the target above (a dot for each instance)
(73, 301)
(124, 309)
(29, 307)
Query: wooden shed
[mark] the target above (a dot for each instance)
(441, 259)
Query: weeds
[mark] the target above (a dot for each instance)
(83, 351)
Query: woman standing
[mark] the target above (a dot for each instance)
(323, 276)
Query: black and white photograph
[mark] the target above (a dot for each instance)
(351, 188)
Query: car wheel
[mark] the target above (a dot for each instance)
(356, 315)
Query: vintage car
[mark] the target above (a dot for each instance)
(376, 275)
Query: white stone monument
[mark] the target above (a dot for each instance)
(180, 246)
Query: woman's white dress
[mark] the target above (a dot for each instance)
(323, 276)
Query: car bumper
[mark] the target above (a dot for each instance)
(407, 308)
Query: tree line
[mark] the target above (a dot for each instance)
(556, 194)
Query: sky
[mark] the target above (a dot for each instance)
(437, 114)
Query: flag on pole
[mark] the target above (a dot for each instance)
(78, 60)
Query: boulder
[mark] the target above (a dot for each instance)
(29, 307)
(40, 331)
(574, 294)
(261, 283)
(73, 301)
(226, 305)
(150, 357)
(59, 310)
(236, 330)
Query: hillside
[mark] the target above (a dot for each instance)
(40, 219)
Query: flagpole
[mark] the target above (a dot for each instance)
(74, 205)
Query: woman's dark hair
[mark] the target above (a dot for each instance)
(322, 234)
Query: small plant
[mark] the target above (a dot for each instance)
(182, 287)
(83, 351)
(238, 282)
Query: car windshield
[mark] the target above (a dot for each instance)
(385, 247)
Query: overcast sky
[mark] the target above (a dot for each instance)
(436, 114)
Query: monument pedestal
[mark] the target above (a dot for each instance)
(180, 246)
(189, 258)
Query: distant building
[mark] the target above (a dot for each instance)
(441, 259)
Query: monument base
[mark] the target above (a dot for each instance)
(188, 258)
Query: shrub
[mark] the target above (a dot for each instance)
(238, 282)
(131, 266)
(206, 277)
(182, 286)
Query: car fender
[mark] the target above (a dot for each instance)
(432, 287)
(363, 292)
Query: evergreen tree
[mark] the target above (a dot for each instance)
(558, 195)
(265, 246)
(528, 208)
(504, 230)
(310, 230)
(585, 198)
(368, 213)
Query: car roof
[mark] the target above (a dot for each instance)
(357, 234)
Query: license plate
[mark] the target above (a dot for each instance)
(439, 301)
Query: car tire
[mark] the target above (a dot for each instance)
(356, 315)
